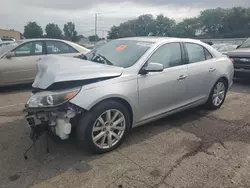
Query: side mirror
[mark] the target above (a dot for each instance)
(238, 46)
(152, 67)
(9, 55)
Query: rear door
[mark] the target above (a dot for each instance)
(22, 67)
(201, 71)
(160, 92)
(60, 48)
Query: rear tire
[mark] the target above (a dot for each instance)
(104, 127)
(217, 95)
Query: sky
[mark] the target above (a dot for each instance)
(15, 14)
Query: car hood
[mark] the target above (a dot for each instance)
(240, 52)
(54, 69)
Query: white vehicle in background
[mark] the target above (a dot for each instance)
(8, 39)
(4, 43)
(18, 60)
(226, 48)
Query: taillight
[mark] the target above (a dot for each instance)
(232, 60)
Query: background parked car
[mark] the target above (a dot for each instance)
(18, 59)
(4, 43)
(217, 46)
(226, 48)
(8, 39)
(241, 58)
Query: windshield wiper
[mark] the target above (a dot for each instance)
(107, 61)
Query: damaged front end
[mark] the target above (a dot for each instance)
(51, 111)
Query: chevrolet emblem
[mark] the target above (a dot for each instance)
(245, 60)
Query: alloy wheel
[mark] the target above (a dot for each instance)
(108, 129)
(219, 93)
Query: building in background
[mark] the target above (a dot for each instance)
(4, 33)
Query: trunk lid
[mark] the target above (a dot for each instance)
(54, 69)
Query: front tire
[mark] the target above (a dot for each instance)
(104, 127)
(217, 95)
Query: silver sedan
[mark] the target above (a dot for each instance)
(123, 84)
(18, 60)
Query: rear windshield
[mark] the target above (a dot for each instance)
(121, 53)
(245, 44)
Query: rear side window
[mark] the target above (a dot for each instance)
(207, 54)
(57, 47)
(195, 52)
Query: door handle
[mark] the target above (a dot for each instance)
(212, 69)
(182, 77)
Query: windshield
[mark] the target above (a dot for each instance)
(9, 47)
(121, 53)
(245, 44)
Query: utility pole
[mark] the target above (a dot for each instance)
(96, 26)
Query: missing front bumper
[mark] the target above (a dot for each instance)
(56, 120)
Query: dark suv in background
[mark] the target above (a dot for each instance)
(241, 59)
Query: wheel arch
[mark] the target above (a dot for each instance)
(119, 99)
(225, 79)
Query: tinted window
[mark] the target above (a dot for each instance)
(195, 53)
(169, 55)
(57, 47)
(30, 48)
(121, 53)
(207, 53)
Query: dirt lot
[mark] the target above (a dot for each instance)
(197, 148)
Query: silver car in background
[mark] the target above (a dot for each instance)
(18, 60)
(123, 84)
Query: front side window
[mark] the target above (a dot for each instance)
(195, 52)
(57, 47)
(121, 53)
(30, 48)
(169, 55)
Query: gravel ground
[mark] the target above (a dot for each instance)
(196, 148)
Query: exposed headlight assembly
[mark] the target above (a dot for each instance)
(51, 98)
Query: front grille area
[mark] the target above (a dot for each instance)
(241, 62)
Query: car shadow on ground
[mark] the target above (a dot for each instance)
(68, 155)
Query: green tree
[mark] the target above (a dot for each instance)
(187, 28)
(141, 26)
(69, 32)
(236, 23)
(33, 30)
(212, 21)
(164, 26)
(53, 31)
(215, 23)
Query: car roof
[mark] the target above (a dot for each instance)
(159, 39)
(37, 39)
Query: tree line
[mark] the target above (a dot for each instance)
(52, 30)
(33, 30)
(210, 23)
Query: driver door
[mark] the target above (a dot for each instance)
(22, 67)
(161, 92)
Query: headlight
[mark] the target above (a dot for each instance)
(51, 98)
